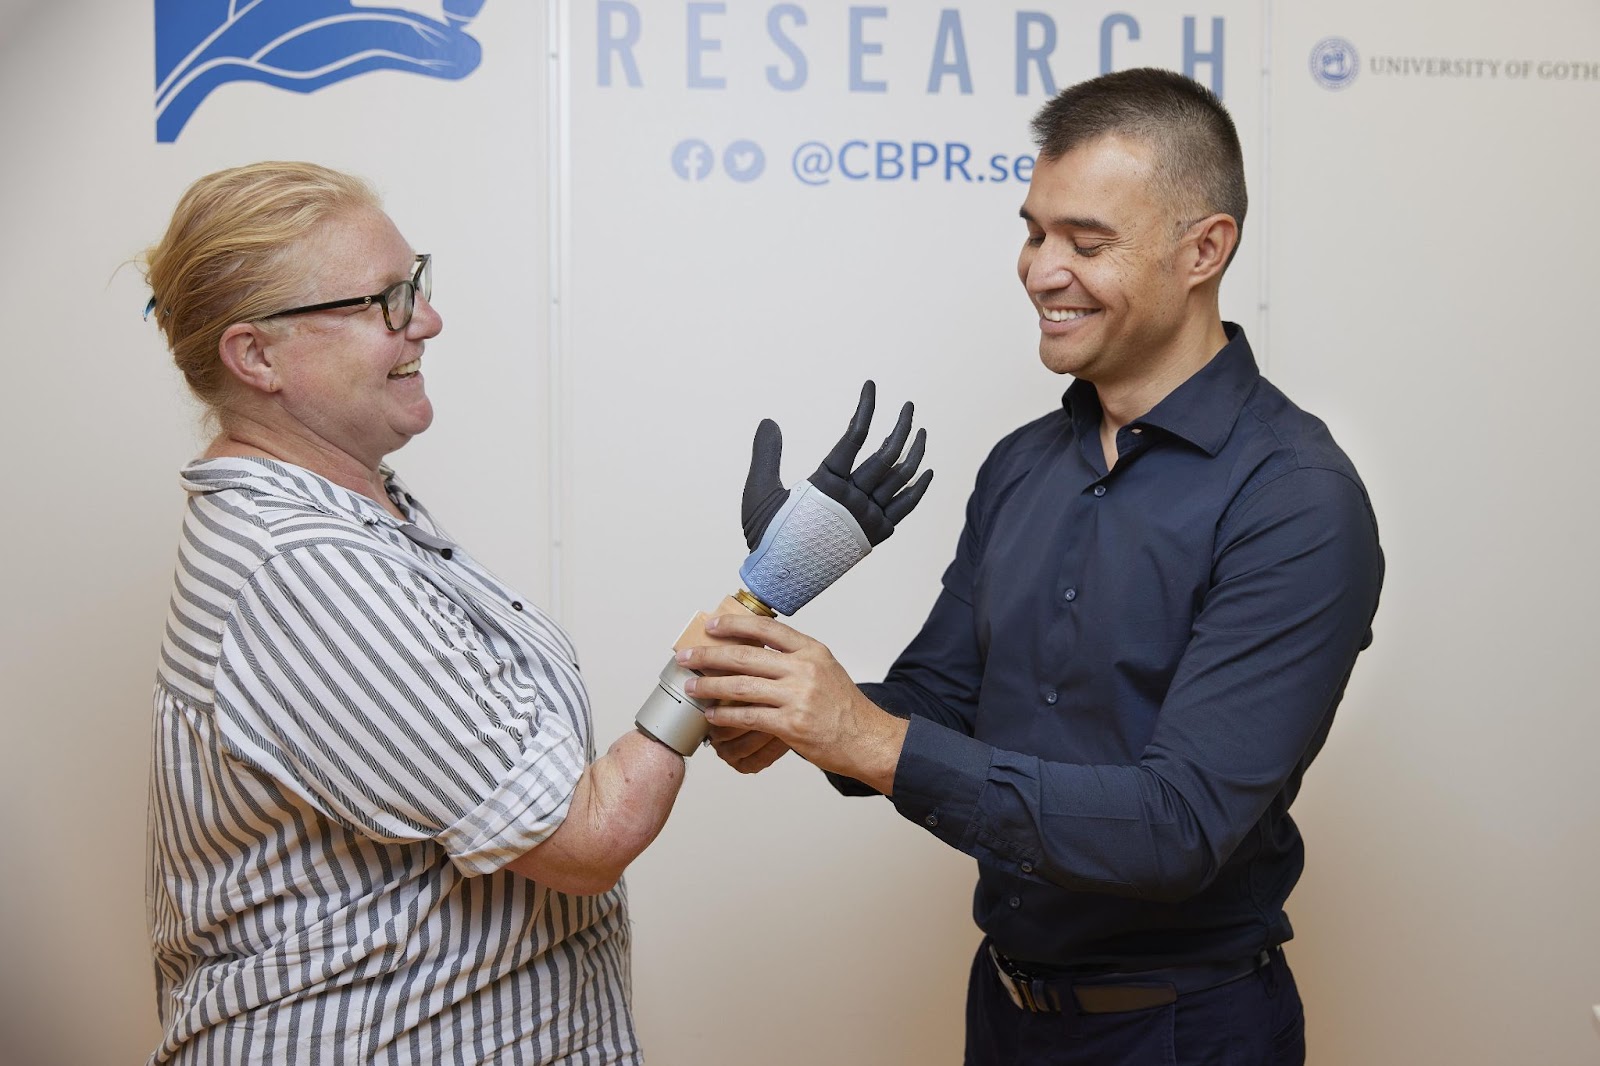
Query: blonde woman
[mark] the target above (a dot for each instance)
(378, 829)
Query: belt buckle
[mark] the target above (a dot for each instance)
(1025, 992)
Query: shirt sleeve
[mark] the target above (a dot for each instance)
(938, 675)
(356, 684)
(1296, 581)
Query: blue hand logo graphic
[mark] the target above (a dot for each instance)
(744, 161)
(300, 45)
(692, 159)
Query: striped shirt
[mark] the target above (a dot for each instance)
(356, 728)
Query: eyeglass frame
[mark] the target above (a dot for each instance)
(424, 261)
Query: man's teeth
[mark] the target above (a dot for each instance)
(406, 368)
(1065, 315)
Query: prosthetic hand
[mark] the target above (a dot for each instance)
(801, 541)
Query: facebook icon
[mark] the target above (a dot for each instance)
(692, 159)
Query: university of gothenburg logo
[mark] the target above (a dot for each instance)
(299, 45)
(1335, 63)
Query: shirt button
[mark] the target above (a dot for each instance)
(1099, 490)
(931, 820)
(1027, 867)
(516, 605)
(1050, 697)
(1070, 595)
(1015, 901)
(446, 552)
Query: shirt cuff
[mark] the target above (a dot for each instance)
(940, 779)
(529, 804)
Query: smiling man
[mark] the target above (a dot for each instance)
(1154, 608)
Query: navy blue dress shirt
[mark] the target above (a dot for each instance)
(1127, 673)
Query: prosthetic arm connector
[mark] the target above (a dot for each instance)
(669, 714)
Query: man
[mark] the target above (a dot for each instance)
(1155, 605)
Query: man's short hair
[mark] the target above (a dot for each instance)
(1199, 166)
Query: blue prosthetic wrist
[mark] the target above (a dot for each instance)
(809, 543)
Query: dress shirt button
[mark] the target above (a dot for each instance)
(1136, 431)
(1027, 867)
(446, 552)
(1015, 901)
(931, 820)
(1099, 490)
(516, 605)
(1070, 595)
(1050, 697)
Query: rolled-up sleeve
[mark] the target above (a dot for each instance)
(360, 686)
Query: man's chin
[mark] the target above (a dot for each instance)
(1057, 360)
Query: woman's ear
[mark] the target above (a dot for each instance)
(244, 351)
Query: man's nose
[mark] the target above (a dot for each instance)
(1048, 270)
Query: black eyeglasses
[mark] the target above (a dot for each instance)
(398, 300)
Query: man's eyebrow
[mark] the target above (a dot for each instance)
(1079, 222)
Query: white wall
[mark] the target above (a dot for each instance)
(1421, 246)
(1432, 282)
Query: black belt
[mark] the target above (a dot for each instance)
(1111, 993)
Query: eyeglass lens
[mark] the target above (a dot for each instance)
(399, 301)
(424, 279)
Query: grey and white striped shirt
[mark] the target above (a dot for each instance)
(356, 728)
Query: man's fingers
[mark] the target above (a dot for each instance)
(741, 659)
(770, 753)
(902, 504)
(742, 716)
(735, 744)
(754, 629)
(903, 471)
(843, 456)
(747, 751)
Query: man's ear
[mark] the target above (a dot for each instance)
(1214, 238)
(244, 351)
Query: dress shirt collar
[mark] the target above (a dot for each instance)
(1202, 410)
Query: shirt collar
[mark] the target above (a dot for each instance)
(268, 477)
(1202, 410)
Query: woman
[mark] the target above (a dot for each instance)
(378, 830)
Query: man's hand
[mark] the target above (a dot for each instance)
(793, 689)
(748, 751)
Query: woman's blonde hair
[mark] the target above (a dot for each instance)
(225, 256)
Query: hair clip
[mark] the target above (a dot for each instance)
(151, 306)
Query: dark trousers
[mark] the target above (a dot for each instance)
(1253, 1021)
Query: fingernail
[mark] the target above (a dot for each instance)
(690, 685)
(683, 655)
(712, 623)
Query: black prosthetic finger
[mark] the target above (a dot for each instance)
(903, 504)
(763, 486)
(843, 455)
(903, 471)
(870, 474)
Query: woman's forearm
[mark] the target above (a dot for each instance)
(619, 806)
